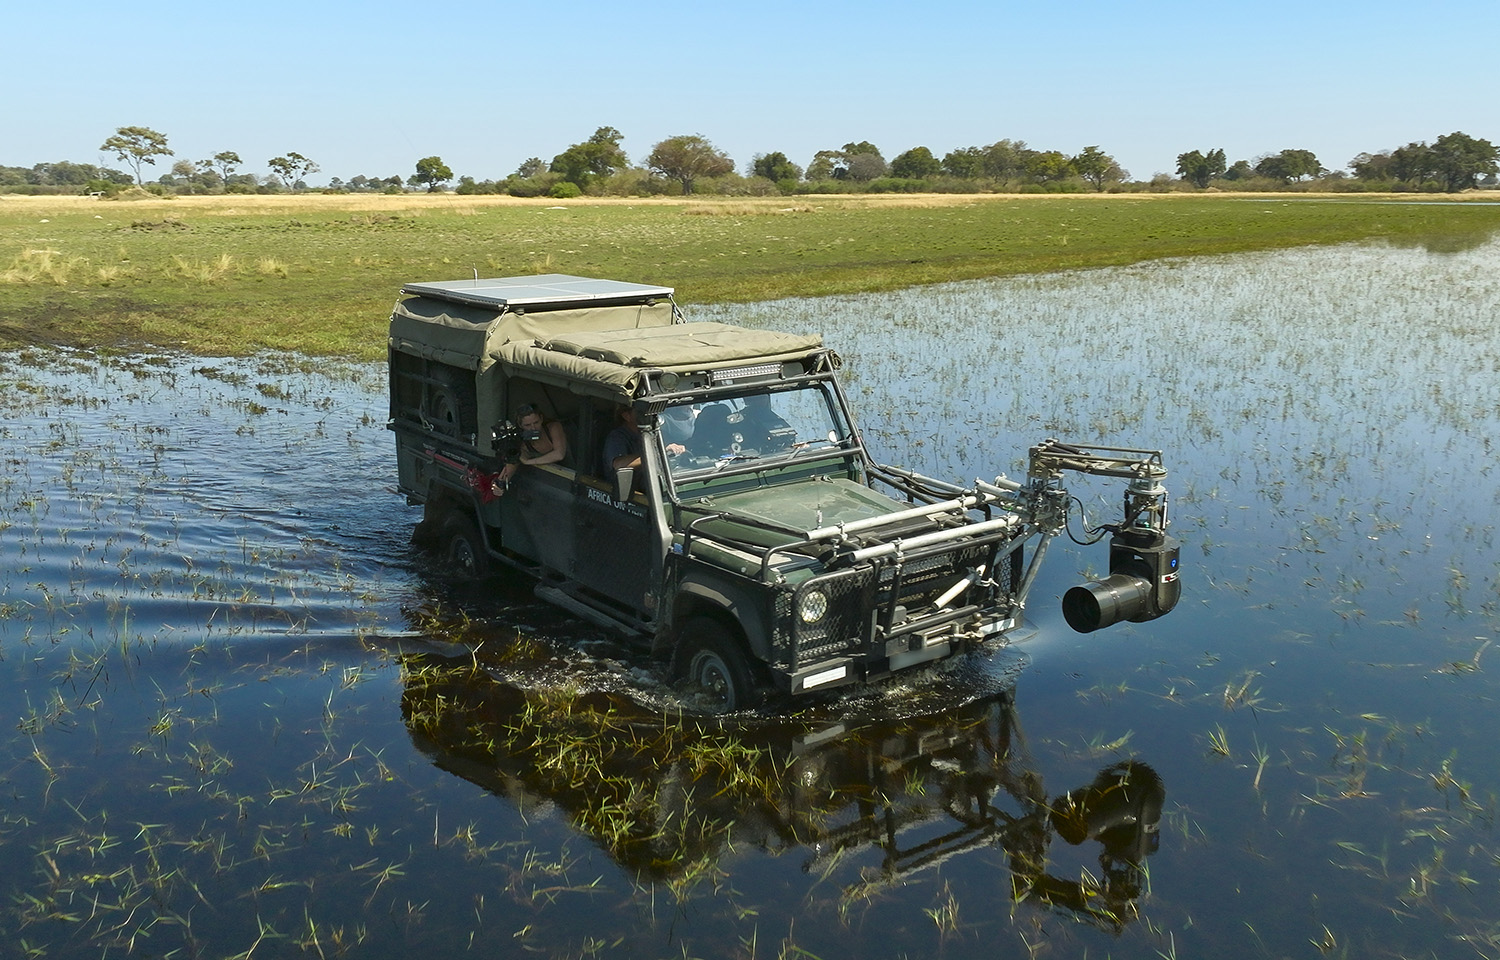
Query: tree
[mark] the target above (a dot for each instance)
(824, 164)
(687, 159)
(1199, 168)
(190, 177)
(1005, 159)
(918, 163)
(1098, 167)
(431, 171)
(862, 162)
(853, 161)
(966, 163)
(775, 167)
(1460, 160)
(1413, 163)
(66, 173)
(1239, 170)
(1047, 165)
(293, 167)
(530, 167)
(1289, 165)
(137, 145)
(598, 156)
(224, 161)
(865, 167)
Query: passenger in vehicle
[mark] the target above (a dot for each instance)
(542, 440)
(677, 424)
(712, 435)
(623, 444)
(764, 429)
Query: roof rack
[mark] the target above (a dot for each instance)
(552, 288)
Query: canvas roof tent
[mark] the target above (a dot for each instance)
(461, 322)
(609, 363)
(589, 337)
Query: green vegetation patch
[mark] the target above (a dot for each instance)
(318, 274)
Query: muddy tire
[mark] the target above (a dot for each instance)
(462, 547)
(712, 665)
(450, 402)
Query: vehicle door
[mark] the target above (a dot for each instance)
(538, 514)
(612, 544)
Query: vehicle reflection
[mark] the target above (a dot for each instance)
(665, 795)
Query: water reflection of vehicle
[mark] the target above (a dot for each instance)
(663, 796)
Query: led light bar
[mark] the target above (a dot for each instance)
(745, 373)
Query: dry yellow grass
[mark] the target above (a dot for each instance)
(415, 204)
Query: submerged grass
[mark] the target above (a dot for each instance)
(219, 746)
(318, 274)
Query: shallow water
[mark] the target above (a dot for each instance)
(249, 718)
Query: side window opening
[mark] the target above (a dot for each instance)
(555, 405)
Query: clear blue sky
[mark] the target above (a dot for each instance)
(373, 87)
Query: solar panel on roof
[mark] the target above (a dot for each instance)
(527, 291)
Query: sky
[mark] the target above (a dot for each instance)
(371, 88)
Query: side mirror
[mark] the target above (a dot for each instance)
(624, 483)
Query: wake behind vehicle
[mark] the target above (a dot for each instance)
(749, 537)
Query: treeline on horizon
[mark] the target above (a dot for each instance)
(692, 164)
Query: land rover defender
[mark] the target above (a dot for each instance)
(751, 540)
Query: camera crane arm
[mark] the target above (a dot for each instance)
(1143, 561)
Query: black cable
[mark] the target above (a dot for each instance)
(1097, 533)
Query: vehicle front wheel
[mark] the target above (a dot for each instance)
(463, 547)
(712, 663)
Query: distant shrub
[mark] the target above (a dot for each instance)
(758, 186)
(1053, 186)
(830, 186)
(897, 185)
(393, 190)
(957, 185)
(1347, 185)
(630, 182)
(537, 186)
(734, 185)
(564, 190)
(467, 186)
(137, 193)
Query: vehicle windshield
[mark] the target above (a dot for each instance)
(704, 437)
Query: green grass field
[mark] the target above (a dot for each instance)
(318, 274)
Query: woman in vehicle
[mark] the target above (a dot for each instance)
(543, 440)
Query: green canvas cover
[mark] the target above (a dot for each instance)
(696, 346)
(466, 335)
(609, 363)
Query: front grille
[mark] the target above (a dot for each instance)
(849, 594)
(858, 598)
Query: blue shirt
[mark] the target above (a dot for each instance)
(621, 442)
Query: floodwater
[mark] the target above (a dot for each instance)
(247, 719)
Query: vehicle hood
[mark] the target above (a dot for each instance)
(799, 506)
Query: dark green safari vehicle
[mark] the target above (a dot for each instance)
(745, 535)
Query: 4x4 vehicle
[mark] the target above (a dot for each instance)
(754, 541)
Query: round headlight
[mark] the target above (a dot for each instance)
(814, 604)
